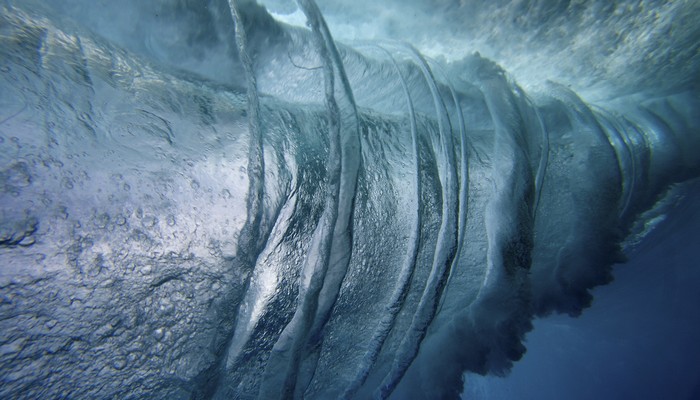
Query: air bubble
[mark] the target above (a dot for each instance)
(27, 241)
(102, 220)
(119, 363)
(146, 269)
(17, 175)
(149, 221)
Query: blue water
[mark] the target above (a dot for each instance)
(638, 340)
(212, 199)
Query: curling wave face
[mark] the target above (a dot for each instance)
(298, 218)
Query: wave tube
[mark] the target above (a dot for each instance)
(220, 205)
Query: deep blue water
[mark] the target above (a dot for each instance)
(637, 341)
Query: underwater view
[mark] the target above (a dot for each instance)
(445, 199)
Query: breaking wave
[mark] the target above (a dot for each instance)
(235, 207)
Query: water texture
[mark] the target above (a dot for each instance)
(210, 199)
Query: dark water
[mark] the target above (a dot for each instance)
(638, 340)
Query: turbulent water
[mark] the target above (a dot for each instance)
(203, 199)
